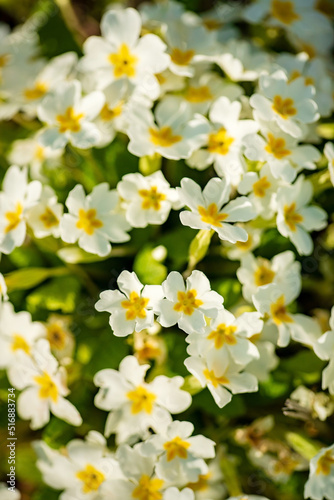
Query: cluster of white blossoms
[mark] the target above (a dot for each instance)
(172, 85)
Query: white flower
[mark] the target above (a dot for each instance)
(248, 497)
(176, 135)
(18, 333)
(43, 386)
(220, 375)
(131, 309)
(92, 220)
(210, 485)
(273, 300)
(3, 290)
(7, 494)
(147, 199)
(17, 197)
(267, 362)
(228, 333)
(296, 218)
(210, 211)
(174, 494)
(187, 304)
(134, 405)
(320, 483)
(68, 116)
(224, 140)
(324, 349)
(44, 217)
(290, 105)
(255, 272)
(121, 54)
(179, 455)
(329, 153)
(237, 250)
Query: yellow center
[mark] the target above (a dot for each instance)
(284, 107)
(48, 388)
(308, 80)
(279, 312)
(284, 11)
(151, 198)
(56, 336)
(219, 142)
(210, 215)
(91, 478)
(244, 246)
(202, 484)
(213, 379)
(4, 58)
(263, 275)
(39, 153)
(176, 448)
(148, 489)
(276, 147)
(49, 219)
(187, 302)
(142, 400)
(163, 137)
(14, 218)
(182, 57)
(69, 121)
(223, 335)
(291, 217)
(108, 114)
(88, 221)
(20, 343)
(198, 94)
(212, 24)
(160, 77)
(124, 62)
(36, 92)
(325, 463)
(135, 306)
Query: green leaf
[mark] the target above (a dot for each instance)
(199, 246)
(230, 289)
(192, 385)
(61, 294)
(150, 164)
(149, 270)
(24, 279)
(302, 445)
(326, 130)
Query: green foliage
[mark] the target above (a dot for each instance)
(60, 294)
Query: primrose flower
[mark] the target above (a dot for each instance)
(44, 217)
(321, 479)
(68, 116)
(329, 153)
(175, 494)
(92, 220)
(210, 209)
(135, 405)
(131, 309)
(324, 349)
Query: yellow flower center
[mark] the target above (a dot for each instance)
(88, 221)
(142, 400)
(291, 217)
(20, 343)
(212, 24)
(163, 137)
(4, 58)
(151, 198)
(198, 94)
(56, 336)
(284, 11)
(244, 246)
(39, 153)
(284, 107)
(108, 114)
(135, 306)
(213, 379)
(14, 218)
(308, 80)
(187, 302)
(202, 484)
(69, 121)
(260, 187)
(182, 57)
(48, 388)
(263, 275)
(220, 142)
(49, 219)
(36, 92)
(124, 62)
(325, 462)
(161, 78)
(91, 478)
(285, 465)
(279, 312)
(211, 216)
(176, 448)
(276, 147)
(148, 489)
(223, 335)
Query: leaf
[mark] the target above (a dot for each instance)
(150, 164)
(24, 279)
(149, 270)
(230, 289)
(326, 130)
(199, 246)
(60, 294)
(302, 445)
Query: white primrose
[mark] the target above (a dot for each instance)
(135, 405)
(131, 309)
(210, 485)
(324, 349)
(296, 218)
(329, 153)
(290, 105)
(93, 220)
(69, 117)
(175, 494)
(211, 209)
(236, 251)
(43, 386)
(320, 483)
(44, 217)
(147, 199)
(16, 197)
(179, 455)
(221, 376)
(187, 303)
